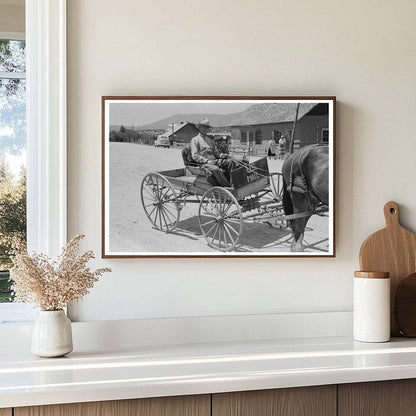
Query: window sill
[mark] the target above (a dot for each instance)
(16, 313)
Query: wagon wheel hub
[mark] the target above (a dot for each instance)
(220, 219)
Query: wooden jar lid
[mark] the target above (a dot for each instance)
(372, 275)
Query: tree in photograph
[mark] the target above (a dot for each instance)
(125, 135)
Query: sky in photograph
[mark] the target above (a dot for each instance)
(140, 114)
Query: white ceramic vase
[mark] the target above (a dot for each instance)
(52, 334)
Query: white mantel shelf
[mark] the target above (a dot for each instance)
(152, 371)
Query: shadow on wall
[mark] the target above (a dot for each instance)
(344, 180)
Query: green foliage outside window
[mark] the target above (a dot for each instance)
(12, 145)
(12, 223)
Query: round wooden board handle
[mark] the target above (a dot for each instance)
(391, 214)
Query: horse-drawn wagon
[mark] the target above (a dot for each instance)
(254, 197)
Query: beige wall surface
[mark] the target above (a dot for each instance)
(12, 18)
(360, 51)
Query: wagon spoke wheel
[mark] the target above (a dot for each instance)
(276, 186)
(160, 202)
(220, 219)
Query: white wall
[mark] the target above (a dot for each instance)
(12, 18)
(361, 51)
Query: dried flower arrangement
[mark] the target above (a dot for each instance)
(53, 285)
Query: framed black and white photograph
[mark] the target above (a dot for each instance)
(218, 176)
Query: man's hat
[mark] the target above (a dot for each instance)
(204, 122)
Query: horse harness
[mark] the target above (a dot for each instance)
(298, 184)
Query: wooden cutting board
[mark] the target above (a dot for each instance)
(405, 305)
(393, 250)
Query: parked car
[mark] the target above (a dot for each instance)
(162, 141)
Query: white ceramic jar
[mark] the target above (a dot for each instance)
(52, 334)
(371, 305)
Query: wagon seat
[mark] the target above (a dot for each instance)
(190, 165)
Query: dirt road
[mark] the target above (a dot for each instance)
(132, 232)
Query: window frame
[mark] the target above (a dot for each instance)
(250, 138)
(258, 137)
(243, 137)
(277, 134)
(46, 137)
(12, 36)
(325, 141)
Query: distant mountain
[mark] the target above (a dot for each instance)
(117, 127)
(263, 113)
(216, 120)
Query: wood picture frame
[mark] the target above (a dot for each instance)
(218, 176)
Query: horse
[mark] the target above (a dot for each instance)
(305, 187)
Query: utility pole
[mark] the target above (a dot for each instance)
(292, 139)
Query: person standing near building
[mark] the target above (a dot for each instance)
(271, 152)
(282, 147)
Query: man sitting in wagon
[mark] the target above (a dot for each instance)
(217, 166)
